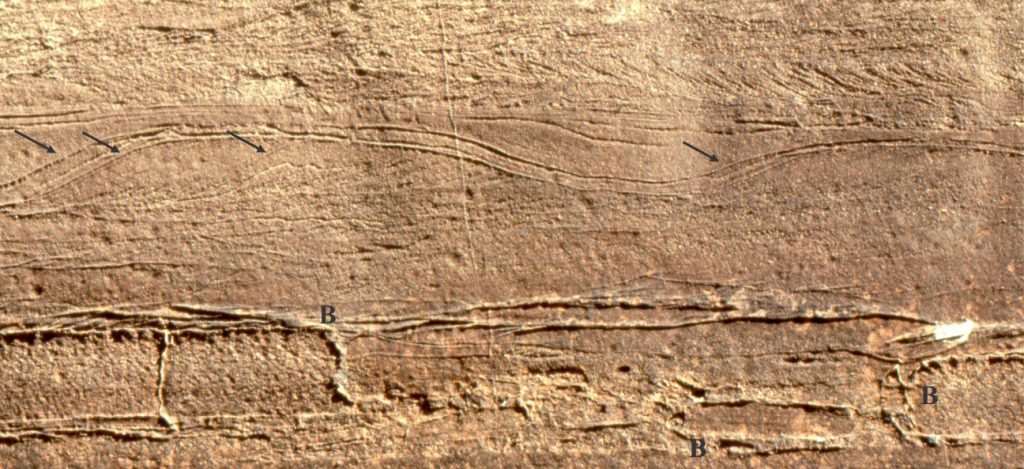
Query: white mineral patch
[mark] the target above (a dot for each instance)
(958, 330)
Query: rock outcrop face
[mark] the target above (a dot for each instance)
(481, 234)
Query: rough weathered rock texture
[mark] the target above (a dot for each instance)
(528, 265)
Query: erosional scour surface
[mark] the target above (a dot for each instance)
(528, 266)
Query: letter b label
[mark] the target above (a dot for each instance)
(327, 314)
(697, 449)
(930, 394)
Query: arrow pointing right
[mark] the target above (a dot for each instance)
(710, 156)
(113, 149)
(259, 148)
(48, 148)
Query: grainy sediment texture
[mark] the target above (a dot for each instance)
(528, 266)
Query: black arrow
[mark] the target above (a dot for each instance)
(113, 149)
(48, 148)
(710, 157)
(259, 148)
